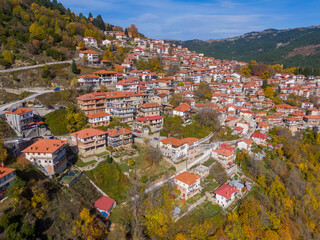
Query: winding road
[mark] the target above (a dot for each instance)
(9, 105)
(34, 66)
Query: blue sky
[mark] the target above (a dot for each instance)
(202, 19)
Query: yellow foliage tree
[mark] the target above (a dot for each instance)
(8, 56)
(268, 92)
(180, 236)
(265, 75)
(245, 71)
(81, 45)
(3, 152)
(87, 227)
(37, 31)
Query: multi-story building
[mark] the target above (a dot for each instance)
(183, 111)
(89, 56)
(155, 123)
(97, 79)
(89, 141)
(225, 194)
(149, 109)
(178, 149)
(92, 103)
(7, 176)
(47, 154)
(224, 156)
(19, 118)
(123, 110)
(98, 119)
(188, 184)
(118, 104)
(119, 137)
(90, 42)
(107, 78)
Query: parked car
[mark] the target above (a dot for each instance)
(156, 139)
(50, 107)
(62, 107)
(56, 89)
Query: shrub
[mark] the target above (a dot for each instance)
(144, 179)
(131, 162)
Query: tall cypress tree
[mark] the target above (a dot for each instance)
(99, 23)
(74, 68)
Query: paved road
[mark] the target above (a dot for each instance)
(9, 105)
(34, 66)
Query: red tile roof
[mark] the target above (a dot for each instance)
(226, 191)
(19, 111)
(184, 107)
(98, 115)
(149, 105)
(88, 132)
(224, 152)
(144, 119)
(118, 131)
(105, 72)
(187, 178)
(173, 141)
(89, 51)
(5, 171)
(247, 141)
(45, 146)
(88, 76)
(104, 203)
(259, 135)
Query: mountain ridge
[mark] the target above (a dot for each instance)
(292, 47)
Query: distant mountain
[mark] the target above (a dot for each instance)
(291, 47)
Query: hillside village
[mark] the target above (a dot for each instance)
(135, 106)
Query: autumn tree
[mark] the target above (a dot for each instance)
(81, 45)
(8, 56)
(37, 31)
(152, 156)
(245, 71)
(172, 127)
(88, 227)
(76, 119)
(203, 92)
(176, 100)
(3, 152)
(268, 92)
(265, 75)
(157, 218)
(133, 30)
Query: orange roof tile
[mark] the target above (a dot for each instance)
(88, 132)
(19, 111)
(98, 114)
(45, 146)
(5, 171)
(184, 107)
(118, 131)
(149, 105)
(224, 152)
(188, 178)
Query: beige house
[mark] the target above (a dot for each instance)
(49, 155)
